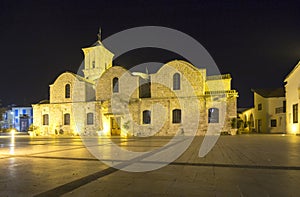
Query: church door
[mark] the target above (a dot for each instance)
(24, 123)
(259, 125)
(115, 125)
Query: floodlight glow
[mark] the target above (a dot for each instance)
(294, 129)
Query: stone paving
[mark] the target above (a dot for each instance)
(242, 165)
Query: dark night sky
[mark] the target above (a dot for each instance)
(257, 42)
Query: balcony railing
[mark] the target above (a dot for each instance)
(216, 77)
(221, 92)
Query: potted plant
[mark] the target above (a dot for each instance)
(234, 125)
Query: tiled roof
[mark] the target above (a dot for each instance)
(80, 78)
(295, 68)
(97, 43)
(270, 92)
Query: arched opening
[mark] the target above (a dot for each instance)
(176, 81)
(251, 126)
(213, 115)
(90, 119)
(67, 91)
(45, 119)
(176, 116)
(66, 119)
(115, 85)
(147, 117)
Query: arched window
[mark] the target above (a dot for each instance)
(66, 119)
(67, 91)
(213, 115)
(176, 81)
(115, 84)
(45, 119)
(176, 116)
(147, 117)
(90, 118)
(93, 64)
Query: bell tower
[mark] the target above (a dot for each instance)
(96, 59)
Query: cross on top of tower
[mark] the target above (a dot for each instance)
(99, 34)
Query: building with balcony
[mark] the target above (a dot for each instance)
(19, 118)
(269, 112)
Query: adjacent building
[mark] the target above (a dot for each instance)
(19, 118)
(111, 100)
(268, 113)
(292, 88)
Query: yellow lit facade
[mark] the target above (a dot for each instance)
(292, 93)
(268, 114)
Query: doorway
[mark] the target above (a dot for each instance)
(259, 123)
(115, 123)
(24, 123)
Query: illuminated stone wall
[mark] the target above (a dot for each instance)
(218, 82)
(78, 118)
(97, 60)
(81, 90)
(128, 84)
(190, 98)
(80, 102)
(192, 80)
(94, 93)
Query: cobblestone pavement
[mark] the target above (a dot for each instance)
(242, 165)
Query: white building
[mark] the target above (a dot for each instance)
(19, 118)
(7, 120)
(292, 89)
(268, 113)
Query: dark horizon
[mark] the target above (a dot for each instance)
(256, 42)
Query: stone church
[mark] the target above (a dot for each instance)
(111, 100)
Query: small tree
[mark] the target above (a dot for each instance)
(245, 124)
(126, 125)
(234, 123)
(239, 123)
(2, 110)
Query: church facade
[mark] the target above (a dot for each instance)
(111, 100)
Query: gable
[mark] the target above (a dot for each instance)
(295, 70)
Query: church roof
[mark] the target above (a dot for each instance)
(44, 102)
(80, 78)
(140, 74)
(270, 92)
(243, 109)
(97, 43)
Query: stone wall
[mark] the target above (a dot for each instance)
(78, 89)
(96, 60)
(218, 83)
(78, 118)
(191, 80)
(105, 104)
(128, 84)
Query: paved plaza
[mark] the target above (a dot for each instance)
(241, 165)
